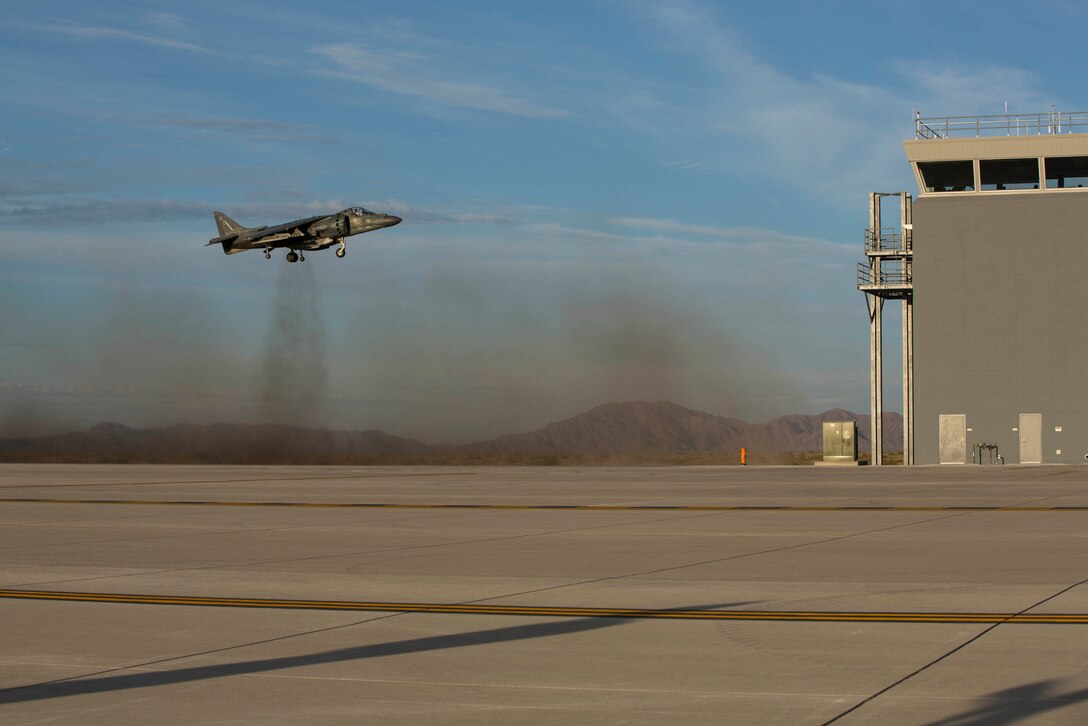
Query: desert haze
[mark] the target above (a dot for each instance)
(638, 432)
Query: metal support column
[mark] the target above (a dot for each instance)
(876, 345)
(906, 221)
(876, 380)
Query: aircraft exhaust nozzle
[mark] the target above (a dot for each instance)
(227, 242)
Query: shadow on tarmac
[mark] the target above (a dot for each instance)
(79, 686)
(1014, 705)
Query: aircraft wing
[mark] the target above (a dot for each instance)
(281, 231)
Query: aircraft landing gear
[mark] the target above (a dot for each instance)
(292, 256)
(267, 253)
(343, 248)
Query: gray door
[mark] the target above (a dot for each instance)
(952, 438)
(1031, 438)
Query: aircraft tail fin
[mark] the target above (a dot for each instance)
(226, 225)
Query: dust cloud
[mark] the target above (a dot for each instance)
(22, 417)
(133, 355)
(156, 357)
(445, 348)
(469, 354)
(294, 366)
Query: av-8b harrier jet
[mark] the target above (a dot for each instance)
(312, 233)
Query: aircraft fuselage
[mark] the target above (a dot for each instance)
(308, 234)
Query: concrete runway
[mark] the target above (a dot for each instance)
(713, 595)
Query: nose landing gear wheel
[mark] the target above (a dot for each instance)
(341, 252)
(292, 256)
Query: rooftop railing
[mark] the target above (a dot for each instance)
(1006, 124)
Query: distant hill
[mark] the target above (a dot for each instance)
(210, 444)
(612, 430)
(623, 428)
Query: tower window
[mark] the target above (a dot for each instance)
(1066, 172)
(998, 174)
(947, 176)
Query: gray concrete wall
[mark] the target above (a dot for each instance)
(1001, 303)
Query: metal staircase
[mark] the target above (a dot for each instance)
(887, 274)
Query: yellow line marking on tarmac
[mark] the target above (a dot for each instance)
(560, 507)
(566, 612)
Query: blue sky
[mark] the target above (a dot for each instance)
(602, 201)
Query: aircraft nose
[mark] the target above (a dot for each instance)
(391, 220)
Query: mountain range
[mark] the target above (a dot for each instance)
(639, 431)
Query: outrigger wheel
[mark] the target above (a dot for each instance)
(268, 254)
(292, 256)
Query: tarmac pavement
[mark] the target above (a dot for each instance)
(487, 595)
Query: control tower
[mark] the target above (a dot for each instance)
(996, 272)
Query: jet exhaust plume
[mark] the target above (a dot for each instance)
(294, 373)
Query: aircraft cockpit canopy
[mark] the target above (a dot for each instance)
(359, 210)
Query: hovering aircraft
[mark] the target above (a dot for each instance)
(309, 234)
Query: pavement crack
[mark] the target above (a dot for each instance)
(720, 559)
(357, 553)
(953, 651)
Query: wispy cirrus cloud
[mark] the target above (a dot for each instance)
(807, 130)
(248, 128)
(412, 73)
(79, 212)
(168, 22)
(943, 89)
(434, 216)
(747, 235)
(103, 32)
(685, 165)
(835, 138)
(74, 212)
